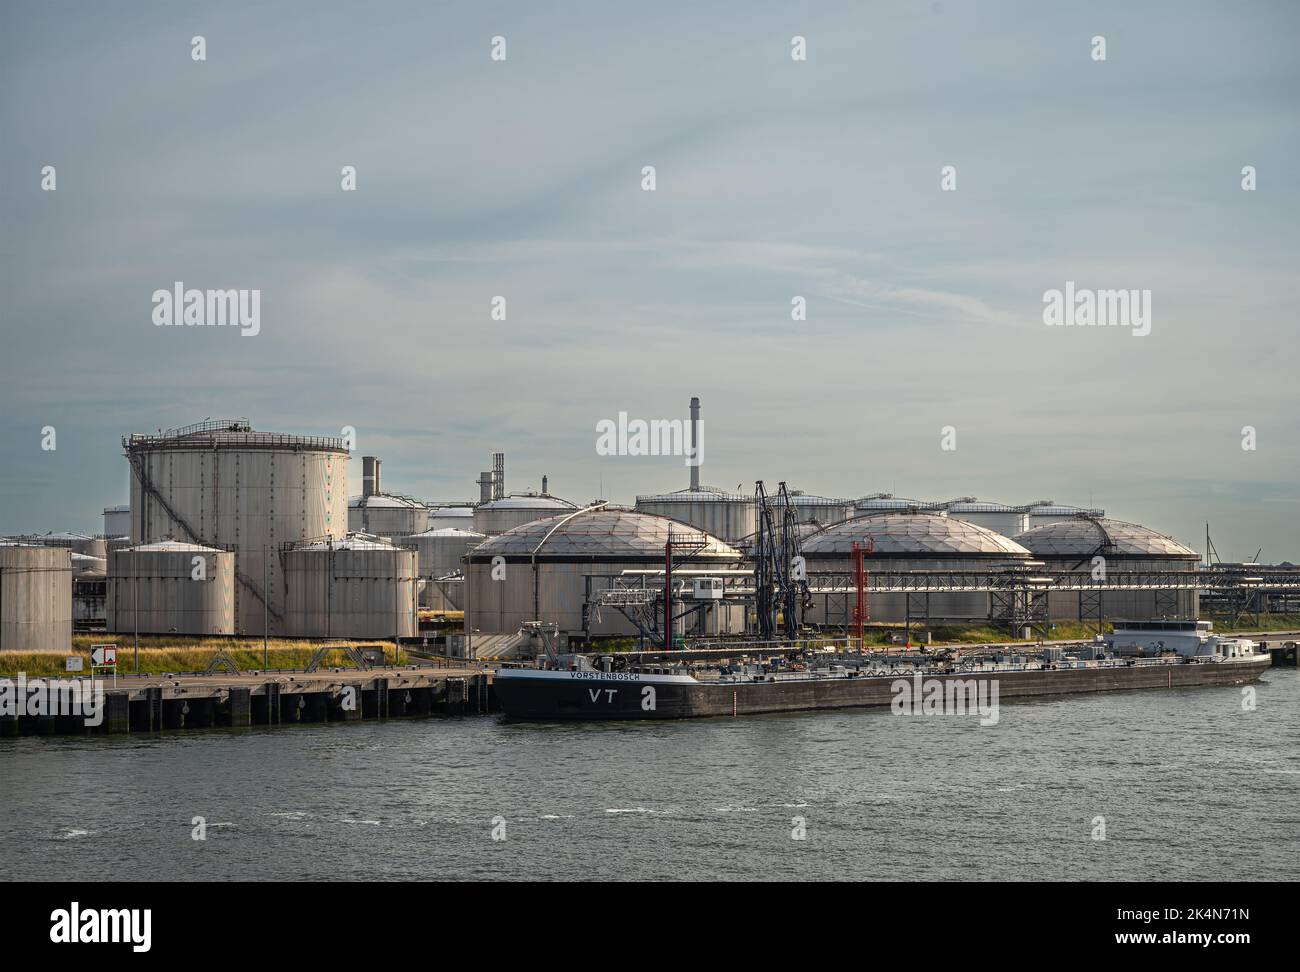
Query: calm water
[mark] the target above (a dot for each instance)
(1191, 787)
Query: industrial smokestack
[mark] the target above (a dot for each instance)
(485, 487)
(369, 475)
(695, 444)
(498, 475)
(544, 490)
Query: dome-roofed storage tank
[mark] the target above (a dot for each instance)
(221, 484)
(439, 554)
(1009, 521)
(908, 540)
(35, 598)
(359, 586)
(499, 515)
(545, 565)
(1083, 544)
(171, 587)
(727, 516)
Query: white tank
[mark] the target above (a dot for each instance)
(357, 587)
(223, 485)
(385, 515)
(117, 521)
(727, 516)
(498, 516)
(451, 518)
(171, 587)
(440, 553)
(35, 598)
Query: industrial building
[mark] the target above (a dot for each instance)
(35, 597)
(224, 485)
(908, 540)
(358, 586)
(384, 514)
(1090, 546)
(171, 587)
(553, 570)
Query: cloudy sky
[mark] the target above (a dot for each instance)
(775, 178)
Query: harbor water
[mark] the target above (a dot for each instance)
(1169, 785)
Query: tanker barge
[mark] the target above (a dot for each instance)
(1183, 657)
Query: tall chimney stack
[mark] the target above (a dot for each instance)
(369, 475)
(545, 492)
(485, 487)
(695, 444)
(498, 475)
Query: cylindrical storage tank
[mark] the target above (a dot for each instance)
(451, 518)
(117, 521)
(35, 598)
(887, 503)
(727, 516)
(498, 516)
(171, 587)
(223, 485)
(814, 509)
(1044, 512)
(1094, 548)
(86, 565)
(439, 553)
(910, 540)
(554, 569)
(357, 587)
(386, 515)
(1009, 521)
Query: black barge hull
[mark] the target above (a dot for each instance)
(592, 695)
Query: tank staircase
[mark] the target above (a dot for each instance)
(137, 464)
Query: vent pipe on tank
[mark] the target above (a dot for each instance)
(695, 444)
(369, 476)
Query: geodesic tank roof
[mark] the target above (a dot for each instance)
(611, 534)
(1084, 536)
(528, 501)
(912, 534)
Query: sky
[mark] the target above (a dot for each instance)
(774, 178)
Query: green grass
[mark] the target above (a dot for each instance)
(160, 654)
(1267, 622)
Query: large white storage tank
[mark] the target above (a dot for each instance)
(499, 515)
(224, 485)
(440, 554)
(727, 516)
(356, 587)
(171, 587)
(1079, 544)
(552, 567)
(1043, 512)
(908, 540)
(35, 598)
(383, 514)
